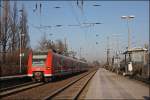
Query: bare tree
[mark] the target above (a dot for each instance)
(14, 28)
(42, 43)
(5, 28)
(45, 44)
(72, 54)
(11, 28)
(60, 46)
(23, 29)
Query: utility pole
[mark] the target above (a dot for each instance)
(80, 4)
(108, 51)
(65, 46)
(116, 44)
(21, 42)
(80, 52)
(128, 18)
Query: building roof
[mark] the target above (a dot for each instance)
(135, 50)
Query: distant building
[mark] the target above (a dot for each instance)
(135, 59)
(136, 55)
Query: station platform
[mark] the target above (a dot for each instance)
(11, 77)
(108, 85)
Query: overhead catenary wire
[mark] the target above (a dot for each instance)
(79, 23)
(83, 25)
(74, 14)
(80, 4)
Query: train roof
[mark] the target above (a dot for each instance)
(66, 57)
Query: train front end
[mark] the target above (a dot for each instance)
(39, 66)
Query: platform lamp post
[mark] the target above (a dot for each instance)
(128, 18)
(20, 70)
(20, 54)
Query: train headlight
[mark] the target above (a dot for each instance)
(48, 67)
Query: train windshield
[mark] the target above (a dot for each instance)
(38, 60)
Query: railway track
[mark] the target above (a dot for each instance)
(73, 89)
(45, 91)
(18, 88)
(15, 86)
(12, 81)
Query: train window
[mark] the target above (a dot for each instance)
(38, 60)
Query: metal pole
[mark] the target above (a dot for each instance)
(21, 34)
(65, 45)
(128, 33)
(20, 53)
(128, 19)
(108, 58)
(80, 53)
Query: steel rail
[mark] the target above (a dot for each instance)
(56, 92)
(83, 87)
(19, 89)
(15, 86)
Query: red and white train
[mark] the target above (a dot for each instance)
(43, 66)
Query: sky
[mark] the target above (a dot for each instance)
(91, 41)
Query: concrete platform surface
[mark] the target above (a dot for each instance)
(11, 77)
(108, 85)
